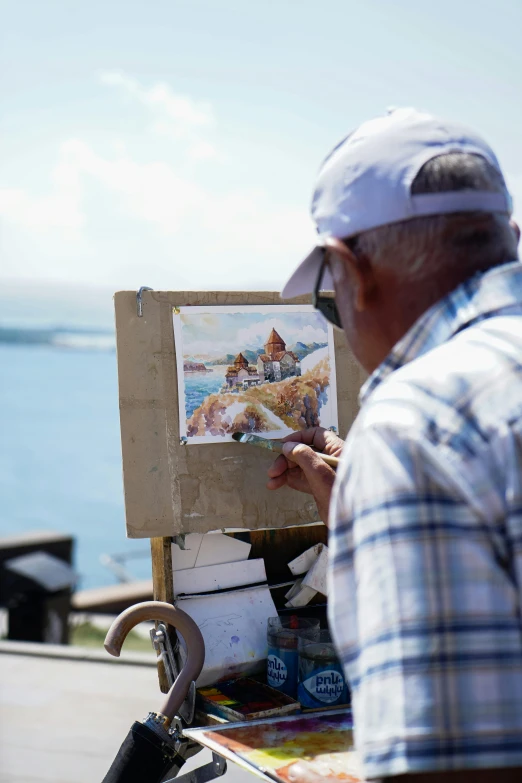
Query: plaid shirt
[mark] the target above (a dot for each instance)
(425, 590)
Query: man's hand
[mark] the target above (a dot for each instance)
(299, 467)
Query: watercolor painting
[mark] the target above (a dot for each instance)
(315, 746)
(267, 370)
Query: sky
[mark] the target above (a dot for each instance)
(174, 143)
(215, 335)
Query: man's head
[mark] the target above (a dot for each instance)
(406, 208)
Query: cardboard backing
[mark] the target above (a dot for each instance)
(170, 488)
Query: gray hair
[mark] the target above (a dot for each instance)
(473, 240)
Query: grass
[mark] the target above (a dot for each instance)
(87, 635)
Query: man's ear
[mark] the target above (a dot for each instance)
(350, 272)
(516, 228)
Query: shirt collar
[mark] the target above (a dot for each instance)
(482, 294)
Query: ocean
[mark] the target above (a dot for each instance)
(199, 385)
(60, 459)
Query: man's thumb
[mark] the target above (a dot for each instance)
(298, 453)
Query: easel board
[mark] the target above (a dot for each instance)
(170, 488)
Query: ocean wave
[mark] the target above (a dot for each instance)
(65, 337)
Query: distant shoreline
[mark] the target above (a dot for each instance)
(68, 337)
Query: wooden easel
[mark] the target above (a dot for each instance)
(162, 476)
(289, 542)
(163, 589)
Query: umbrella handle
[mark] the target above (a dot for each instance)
(159, 610)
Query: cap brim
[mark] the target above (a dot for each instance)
(304, 278)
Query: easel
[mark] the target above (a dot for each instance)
(163, 590)
(161, 476)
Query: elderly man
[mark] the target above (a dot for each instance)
(425, 514)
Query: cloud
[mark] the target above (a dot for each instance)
(203, 150)
(98, 203)
(290, 328)
(226, 338)
(246, 230)
(176, 115)
(58, 209)
(152, 192)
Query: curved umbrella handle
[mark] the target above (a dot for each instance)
(158, 610)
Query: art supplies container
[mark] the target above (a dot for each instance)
(244, 699)
(283, 635)
(321, 680)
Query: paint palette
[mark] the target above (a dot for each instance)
(294, 749)
(244, 699)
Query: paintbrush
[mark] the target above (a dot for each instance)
(273, 444)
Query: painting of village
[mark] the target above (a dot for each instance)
(270, 371)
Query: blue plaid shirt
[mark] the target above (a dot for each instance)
(425, 592)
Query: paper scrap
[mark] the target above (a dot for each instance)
(216, 548)
(294, 589)
(186, 558)
(303, 596)
(219, 577)
(316, 576)
(303, 562)
(234, 629)
(208, 549)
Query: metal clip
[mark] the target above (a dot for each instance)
(139, 299)
(163, 646)
(172, 661)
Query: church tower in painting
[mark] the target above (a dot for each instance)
(277, 363)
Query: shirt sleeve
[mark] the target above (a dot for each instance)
(423, 609)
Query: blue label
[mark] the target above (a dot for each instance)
(282, 670)
(324, 687)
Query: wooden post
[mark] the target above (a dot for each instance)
(163, 590)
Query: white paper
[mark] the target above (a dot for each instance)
(294, 589)
(219, 577)
(208, 549)
(303, 562)
(302, 597)
(217, 548)
(234, 627)
(225, 384)
(316, 576)
(186, 558)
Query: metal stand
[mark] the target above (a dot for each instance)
(214, 769)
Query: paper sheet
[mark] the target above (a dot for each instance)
(316, 576)
(234, 627)
(208, 549)
(219, 577)
(303, 562)
(268, 370)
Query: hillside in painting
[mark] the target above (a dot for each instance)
(292, 404)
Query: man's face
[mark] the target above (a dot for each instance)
(358, 300)
(345, 297)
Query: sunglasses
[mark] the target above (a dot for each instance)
(325, 303)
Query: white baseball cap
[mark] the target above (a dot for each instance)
(366, 181)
